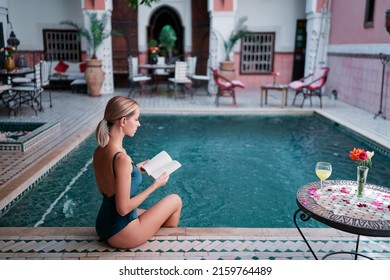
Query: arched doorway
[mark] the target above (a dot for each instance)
(165, 15)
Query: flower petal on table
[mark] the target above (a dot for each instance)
(376, 203)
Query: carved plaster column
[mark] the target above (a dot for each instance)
(105, 51)
(317, 27)
(222, 21)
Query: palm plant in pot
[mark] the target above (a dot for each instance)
(168, 39)
(95, 34)
(240, 30)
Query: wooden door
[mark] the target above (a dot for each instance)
(200, 34)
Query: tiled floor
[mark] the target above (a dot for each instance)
(78, 115)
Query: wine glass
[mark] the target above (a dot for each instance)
(323, 170)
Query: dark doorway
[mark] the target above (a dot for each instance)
(167, 16)
(2, 55)
(125, 20)
(200, 34)
(300, 50)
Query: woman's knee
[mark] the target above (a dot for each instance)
(176, 199)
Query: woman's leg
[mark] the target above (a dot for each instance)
(164, 213)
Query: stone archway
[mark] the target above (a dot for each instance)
(162, 16)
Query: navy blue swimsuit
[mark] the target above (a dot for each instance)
(108, 221)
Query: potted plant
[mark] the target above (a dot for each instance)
(94, 35)
(240, 30)
(168, 39)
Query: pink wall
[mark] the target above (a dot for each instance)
(358, 82)
(283, 64)
(94, 4)
(223, 5)
(358, 77)
(347, 23)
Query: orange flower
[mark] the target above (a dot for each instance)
(361, 156)
(355, 153)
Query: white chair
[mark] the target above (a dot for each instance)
(199, 81)
(137, 81)
(160, 76)
(180, 78)
(45, 78)
(30, 93)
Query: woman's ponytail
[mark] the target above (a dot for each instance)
(102, 134)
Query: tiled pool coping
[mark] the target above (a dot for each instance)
(186, 244)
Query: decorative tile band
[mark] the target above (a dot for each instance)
(205, 248)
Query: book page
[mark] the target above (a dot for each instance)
(169, 168)
(161, 163)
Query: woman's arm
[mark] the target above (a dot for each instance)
(124, 203)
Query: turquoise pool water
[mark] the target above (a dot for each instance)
(237, 171)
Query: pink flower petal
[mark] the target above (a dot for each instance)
(304, 201)
(376, 203)
(380, 208)
(312, 190)
(333, 197)
(345, 190)
(316, 195)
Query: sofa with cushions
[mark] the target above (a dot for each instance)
(65, 74)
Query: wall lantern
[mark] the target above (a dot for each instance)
(12, 40)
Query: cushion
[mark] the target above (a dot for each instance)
(296, 85)
(61, 67)
(78, 82)
(83, 67)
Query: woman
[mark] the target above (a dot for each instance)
(119, 221)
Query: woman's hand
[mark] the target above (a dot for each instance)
(141, 164)
(162, 180)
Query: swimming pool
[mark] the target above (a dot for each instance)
(238, 171)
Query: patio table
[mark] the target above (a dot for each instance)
(157, 66)
(170, 68)
(276, 87)
(15, 73)
(337, 206)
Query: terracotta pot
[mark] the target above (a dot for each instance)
(227, 69)
(9, 63)
(94, 76)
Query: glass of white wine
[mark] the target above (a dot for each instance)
(323, 170)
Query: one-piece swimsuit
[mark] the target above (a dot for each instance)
(108, 221)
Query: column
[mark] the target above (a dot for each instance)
(318, 26)
(104, 52)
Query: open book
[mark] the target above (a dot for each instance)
(161, 163)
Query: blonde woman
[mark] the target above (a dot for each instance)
(119, 221)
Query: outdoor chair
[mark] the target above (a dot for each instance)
(160, 75)
(23, 80)
(29, 93)
(137, 81)
(180, 78)
(199, 81)
(45, 78)
(310, 85)
(226, 87)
